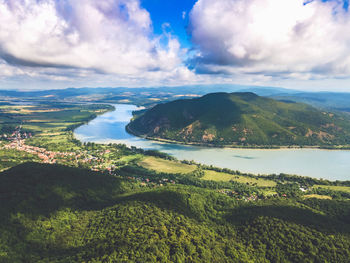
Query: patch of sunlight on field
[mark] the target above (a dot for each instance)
(268, 192)
(317, 196)
(15, 107)
(334, 187)
(61, 124)
(217, 176)
(33, 127)
(26, 109)
(165, 166)
(51, 134)
(130, 158)
(46, 127)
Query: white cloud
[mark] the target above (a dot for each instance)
(283, 39)
(60, 43)
(105, 37)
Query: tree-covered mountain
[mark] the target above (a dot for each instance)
(242, 118)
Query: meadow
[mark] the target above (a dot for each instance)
(166, 166)
(225, 177)
(324, 197)
(334, 188)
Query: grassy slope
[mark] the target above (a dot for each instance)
(334, 188)
(165, 166)
(318, 196)
(216, 176)
(10, 158)
(243, 119)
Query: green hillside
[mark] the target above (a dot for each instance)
(53, 213)
(242, 119)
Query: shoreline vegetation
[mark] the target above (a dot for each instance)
(234, 146)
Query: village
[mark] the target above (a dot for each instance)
(95, 160)
(84, 158)
(103, 159)
(17, 142)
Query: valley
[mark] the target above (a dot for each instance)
(72, 200)
(187, 131)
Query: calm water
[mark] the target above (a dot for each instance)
(332, 165)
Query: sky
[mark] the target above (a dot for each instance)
(298, 44)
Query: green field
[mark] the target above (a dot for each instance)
(165, 166)
(11, 157)
(225, 177)
(334, 188)
(324, 197)
(55, 141)
(51, 117)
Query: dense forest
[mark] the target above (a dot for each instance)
(242, 119)
(54, 213)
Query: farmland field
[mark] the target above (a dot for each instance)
(165, 166)
(225, 177)
(334, 188)
(318, 196)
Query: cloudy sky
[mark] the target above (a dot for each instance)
(73, 43)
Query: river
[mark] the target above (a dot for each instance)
(326, 164)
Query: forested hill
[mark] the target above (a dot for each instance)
(53, 213)
(242, 118)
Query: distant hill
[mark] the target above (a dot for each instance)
(242, 118)
(339, 101)
(150, 96)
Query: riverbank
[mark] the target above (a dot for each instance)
(313, 162)
(234, 146)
